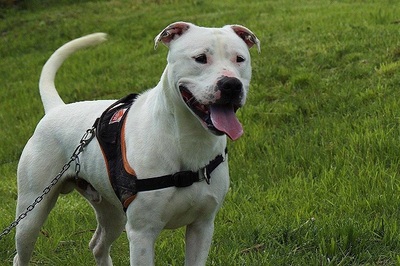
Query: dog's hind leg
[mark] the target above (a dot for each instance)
(28, 228)
(35, 172)
(110, 224)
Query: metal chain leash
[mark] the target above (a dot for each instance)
(86, 138)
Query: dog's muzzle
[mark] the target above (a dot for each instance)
(220, 116)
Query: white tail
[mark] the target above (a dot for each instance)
(48, 92)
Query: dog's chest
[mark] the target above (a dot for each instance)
(185, 207)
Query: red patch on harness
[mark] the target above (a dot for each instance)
(117, 116)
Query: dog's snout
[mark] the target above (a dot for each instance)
(230, 87)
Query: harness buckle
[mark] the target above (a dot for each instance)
(184, 178)
(206, 175)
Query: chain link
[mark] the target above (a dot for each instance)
(86, 138)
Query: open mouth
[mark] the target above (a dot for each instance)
(218, 118)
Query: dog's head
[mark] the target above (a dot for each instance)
(211, 71)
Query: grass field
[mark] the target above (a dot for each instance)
(314, 180)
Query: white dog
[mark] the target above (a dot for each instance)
(180, 125)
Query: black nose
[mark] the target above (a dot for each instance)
(231, 89)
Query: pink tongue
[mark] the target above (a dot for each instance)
(224, 119)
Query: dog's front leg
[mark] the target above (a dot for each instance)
(198, 242)
(141, 246)
(142, 232)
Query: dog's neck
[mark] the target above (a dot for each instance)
(188, 130)
(182, 134)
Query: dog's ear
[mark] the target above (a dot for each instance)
(247, 36)
(171, 32)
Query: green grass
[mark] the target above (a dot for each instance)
(314, 180)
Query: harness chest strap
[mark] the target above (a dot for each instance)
(111, 137)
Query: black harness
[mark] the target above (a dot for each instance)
(110, 133)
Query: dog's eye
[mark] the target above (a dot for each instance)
(240, 59)
(202, 59)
